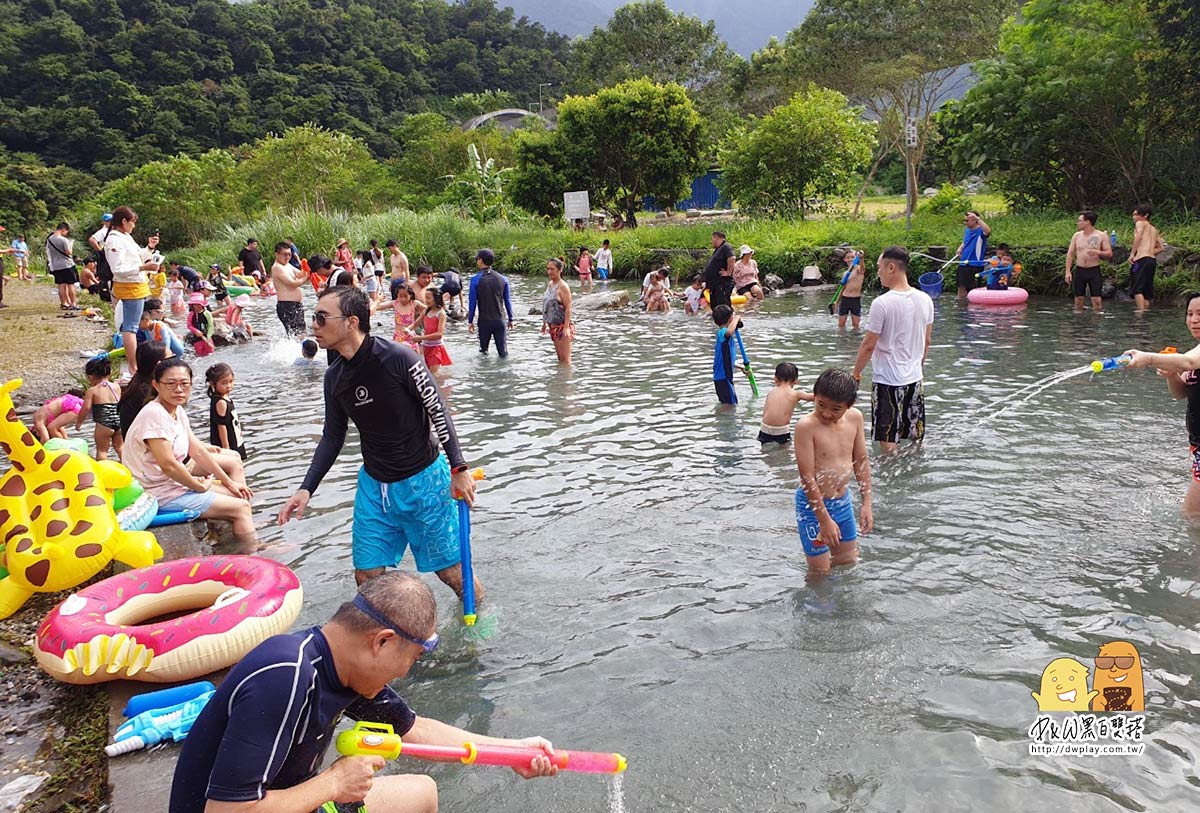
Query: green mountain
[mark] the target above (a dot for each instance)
(108, 85)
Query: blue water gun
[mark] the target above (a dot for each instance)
(157, 725)
(464, 546)
(842, 285)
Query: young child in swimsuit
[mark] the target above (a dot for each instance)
(656, 299)
(433, 326)
(406, 311)
(224, 428)
(850, 302)
(100, 401)
(200, 325)
(781, 405)
(831, 447)
(584, 267)
(51, 418)
(694, 296)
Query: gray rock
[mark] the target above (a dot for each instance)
(10, 656)
(13, 794)
(773, 281)
(1167, 255)
(599, 301)
(1109, 289)
(929, 191)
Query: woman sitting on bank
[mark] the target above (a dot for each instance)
(184, 474)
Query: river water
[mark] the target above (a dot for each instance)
(642, 563)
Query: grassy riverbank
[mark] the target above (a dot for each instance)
(441, 239)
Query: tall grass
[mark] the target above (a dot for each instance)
(441, 238)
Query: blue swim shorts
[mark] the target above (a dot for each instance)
(199, 501)
(416, 512)
(841, 509)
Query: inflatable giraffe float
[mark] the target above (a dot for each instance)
(57, 526)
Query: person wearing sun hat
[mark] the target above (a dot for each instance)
(200, 324)
(745, 274)
(233, 312)
(343, 257)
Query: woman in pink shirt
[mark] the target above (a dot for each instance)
(745, 275)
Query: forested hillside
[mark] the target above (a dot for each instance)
(107, 85)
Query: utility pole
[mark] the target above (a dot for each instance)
(910, 143)
(540, 86)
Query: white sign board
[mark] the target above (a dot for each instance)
(910, 133)
(576, 206)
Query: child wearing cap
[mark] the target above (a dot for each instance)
(200, 324)
(745, 275)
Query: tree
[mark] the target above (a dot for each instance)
(186, 199)
(622, 144)
(480, 188)
(432, 151)
(810, 147)
(310, 168)
(899, 59)
(1058, 116)
(646, 39)
(1173, 99)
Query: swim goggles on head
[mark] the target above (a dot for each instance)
(364, 606)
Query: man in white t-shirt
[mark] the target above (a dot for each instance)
(899, 329)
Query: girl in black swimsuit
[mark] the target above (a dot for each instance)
(100, 401)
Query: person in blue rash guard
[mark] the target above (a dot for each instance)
(489, 290)
(406, 486)
(260, 742)
(727, 323)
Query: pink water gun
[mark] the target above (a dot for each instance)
(379, 739)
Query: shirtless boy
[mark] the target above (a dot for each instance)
(1143, 257)
(781, 405)
(830, 448)
(1087, 248)
(850, 303)
(289, 300)
(424, 280)
(398, 261)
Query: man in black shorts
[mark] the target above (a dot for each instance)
(260, 741)
(1088, 247)
(289, 290)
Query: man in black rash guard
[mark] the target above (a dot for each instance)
(259, 743)
(405, 486)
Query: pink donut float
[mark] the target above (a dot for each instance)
(1011, 296)
(108, 631)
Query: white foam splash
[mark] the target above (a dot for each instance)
(282, 351)
(616, 795)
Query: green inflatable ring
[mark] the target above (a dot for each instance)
(68, 444)
(127, 496)
(238, 290)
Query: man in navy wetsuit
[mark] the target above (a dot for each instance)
(404, 496)
(489, 291)
(260, 742)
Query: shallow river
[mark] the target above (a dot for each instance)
(642, 560)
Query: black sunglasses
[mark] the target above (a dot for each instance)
(320, 318)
